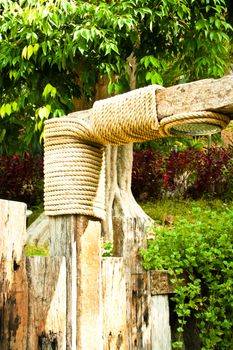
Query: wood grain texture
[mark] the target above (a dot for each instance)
(89, 292)
(47, 303)
(129, 238)
(160, 283)
(62, 231)
(13, 282)
(114, 304)
(207, 94)
(161, 332)
(38, 231)
(78, 239)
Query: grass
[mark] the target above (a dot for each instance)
(178, 209)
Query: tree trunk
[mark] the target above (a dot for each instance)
(119, 198)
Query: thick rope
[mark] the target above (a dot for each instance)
(130, 117)
(73, 169)
(74, 147)
(202, 117)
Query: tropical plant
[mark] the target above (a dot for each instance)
(53, 52)
(197, 252)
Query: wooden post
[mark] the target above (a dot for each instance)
(47, 303)
(129, 237)
(114, 304)
(161, 332)
(13, 282)
(78, 239)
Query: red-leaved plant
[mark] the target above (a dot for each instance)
(21, 178)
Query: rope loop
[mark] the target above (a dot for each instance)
(193, 124)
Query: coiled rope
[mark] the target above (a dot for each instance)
(193, 123)
(73, 169)
(74, 161)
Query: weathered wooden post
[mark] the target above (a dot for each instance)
(74, 193)
(78, 239)
(129, 238)
(13, 282)
(115, 334)
(46, 303)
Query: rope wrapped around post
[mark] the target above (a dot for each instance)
(74, 150)
(74, 146)
(73, 169)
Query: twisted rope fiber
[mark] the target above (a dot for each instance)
(130, 117)
(202, 117)
(73, 169)
(74, 152)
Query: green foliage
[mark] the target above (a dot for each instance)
(178, 208)
(197, 252)
(107, 249)
(54, 51)
(33, 250)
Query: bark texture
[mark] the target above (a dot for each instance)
(13, 282)
(120, 201)
(202, 95)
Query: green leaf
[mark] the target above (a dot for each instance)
(36, 48)
(86, 34)
(49, 90)
(43, 112)
(44, 47)
(25, 52)
(154, 61)
(8, 108)
(14, 106)
(30, 51)
(2, 135)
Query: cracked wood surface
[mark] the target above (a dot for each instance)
(203, 95)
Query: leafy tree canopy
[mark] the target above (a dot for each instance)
(54, 51)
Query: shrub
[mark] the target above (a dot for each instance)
(21, 178)
(185, 173)
(201, 250)
(147, 174)
(210, 166)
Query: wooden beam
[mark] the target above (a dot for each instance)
(160, 283)
(207, 94)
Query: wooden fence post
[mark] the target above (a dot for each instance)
(129, 237)
(115, 333)
(47, 303)
(78, 239)
(13, 282)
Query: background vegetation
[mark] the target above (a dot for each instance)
(197, 252)
(54, 53)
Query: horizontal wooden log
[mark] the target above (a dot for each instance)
(202, 95)
(160, 283)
